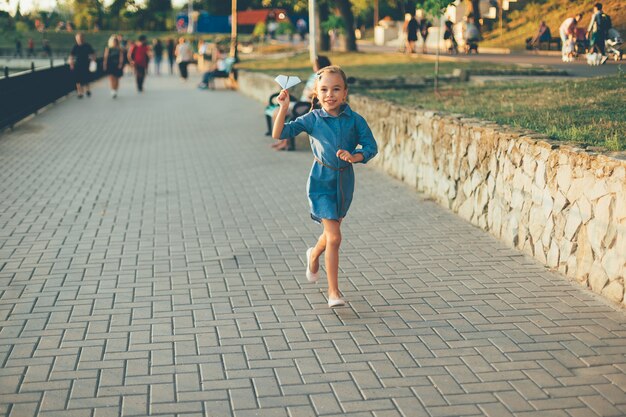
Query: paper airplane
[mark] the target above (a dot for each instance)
(287, 81)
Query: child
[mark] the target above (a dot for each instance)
(569, 52)
(335, 131)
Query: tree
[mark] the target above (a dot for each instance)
(436, 8)
(87, 13)
(345, 9)
(475, 11)
(323, 13)
(157, 12)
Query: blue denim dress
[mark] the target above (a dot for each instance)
(331, 181)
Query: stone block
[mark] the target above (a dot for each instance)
(560, 202)
(584, 255)
(597, 190)
(546, 235)
(579, 186)
(553, 255)
(614, 291)
(597, 277)
(574, 221)
(540, 174)
(564, 177)
(614, 263)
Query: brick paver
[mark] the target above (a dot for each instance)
(152, 263)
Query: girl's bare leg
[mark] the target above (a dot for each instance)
(317, 251)
(332, 233)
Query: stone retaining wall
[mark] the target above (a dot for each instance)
(559, 204)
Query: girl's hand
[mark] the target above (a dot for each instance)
(283, 99)
(346, 156)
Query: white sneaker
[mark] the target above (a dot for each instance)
(603, 60)
(336, 302)
(113, 93)
(310, 276)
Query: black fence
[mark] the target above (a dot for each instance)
(26, 92)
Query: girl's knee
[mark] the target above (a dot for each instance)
(333, 238)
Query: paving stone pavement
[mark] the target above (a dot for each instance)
(152, 263)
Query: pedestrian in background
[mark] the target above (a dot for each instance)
(598, 31)
(184, 55)
(424, 25)
(411, 32)
(18, 48)
(31, 47)
(171, 55)
(113, 63)
(81, 55)
(139, 57)
(302, 29)
(157, 49)
(47, 51)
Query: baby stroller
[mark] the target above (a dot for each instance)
(613, 44)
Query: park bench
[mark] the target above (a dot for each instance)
(300, 108)
(547, 45)
(229, 75)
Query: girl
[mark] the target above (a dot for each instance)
(334, 131)
(113, 63)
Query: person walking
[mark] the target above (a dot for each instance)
(31, 48)
(157, 50)
(335, 132)
(568, 27)
(47, 51)
(171, 56)
(412, 28)
(113, 63)
(302, 29)
(598, 31)
(18, 48)
(81, 55)
(424, 25)
(184, 55)
(139, 57)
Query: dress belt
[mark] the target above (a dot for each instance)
(328, 166)
(341, 171)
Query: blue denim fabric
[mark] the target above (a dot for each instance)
(331, 182)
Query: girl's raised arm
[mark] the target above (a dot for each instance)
(279, 123)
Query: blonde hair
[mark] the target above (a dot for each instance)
(331, 69)
(113, 42)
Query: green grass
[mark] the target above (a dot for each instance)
(586, 112)
(583, 112)
(363, 65)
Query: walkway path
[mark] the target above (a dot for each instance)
(151, 263)
(578, 68)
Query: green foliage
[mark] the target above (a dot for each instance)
(334, 22)
(21, 27)
(259, 30)
(286, 28)
(436, 7)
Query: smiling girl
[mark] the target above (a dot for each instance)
(339, 138)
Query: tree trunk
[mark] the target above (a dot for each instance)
(323, 13)
(476, 13)
(345, 8)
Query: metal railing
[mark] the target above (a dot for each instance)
(24, 93)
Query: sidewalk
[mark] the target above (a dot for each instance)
(152, 263)
(579, 68)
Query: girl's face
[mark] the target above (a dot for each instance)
(331, 92)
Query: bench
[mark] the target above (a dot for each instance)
(229, 75)
(299, 108)
(547, 45)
